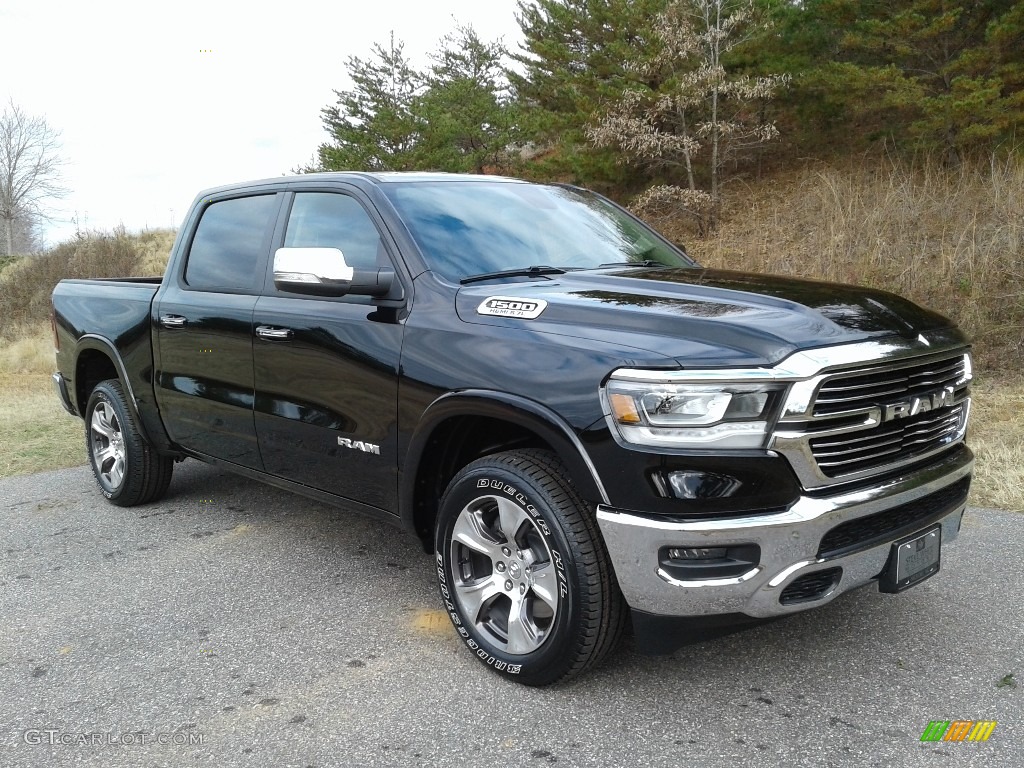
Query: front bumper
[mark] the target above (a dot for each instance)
(62, 392)
(789, 544)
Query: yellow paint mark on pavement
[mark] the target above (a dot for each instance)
(430, 622)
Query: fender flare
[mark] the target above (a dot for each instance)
(91, 341)
(541, 420)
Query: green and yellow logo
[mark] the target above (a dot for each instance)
(958, 730)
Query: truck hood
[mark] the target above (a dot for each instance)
(716, 316)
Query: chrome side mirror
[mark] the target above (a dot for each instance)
(324, 272)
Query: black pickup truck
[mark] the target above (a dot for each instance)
(582, 425)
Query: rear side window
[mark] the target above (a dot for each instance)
(228, 243)
(327, 220)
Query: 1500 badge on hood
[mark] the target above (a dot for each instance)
(510, 306)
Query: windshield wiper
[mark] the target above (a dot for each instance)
(535, 271)
(644, 263)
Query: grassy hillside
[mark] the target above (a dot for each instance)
(952, 241)
(27, 282)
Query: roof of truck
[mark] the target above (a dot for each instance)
(381, 177)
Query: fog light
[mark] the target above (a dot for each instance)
(696, 553)
(702, 485)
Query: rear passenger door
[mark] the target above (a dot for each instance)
(204, 379)
(327, 368)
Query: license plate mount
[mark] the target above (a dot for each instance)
(912, 560)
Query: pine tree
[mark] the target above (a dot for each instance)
(575, 57)
(373, 125)
(933, 73)
(468, 116)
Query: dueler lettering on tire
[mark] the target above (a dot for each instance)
(522, 570)
(127, 469)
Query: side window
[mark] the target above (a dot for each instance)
(226, 248)
(328, 220)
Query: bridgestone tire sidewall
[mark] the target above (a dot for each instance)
(100, 395)
(546, 663)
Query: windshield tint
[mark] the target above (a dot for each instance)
(469, 227)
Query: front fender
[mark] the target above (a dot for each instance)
(537, 418)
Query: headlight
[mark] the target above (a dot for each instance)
(678, 414)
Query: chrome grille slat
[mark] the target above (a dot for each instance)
(832, 400)
(846, 445)
(875, 446)
(866, 386)
(845, 462)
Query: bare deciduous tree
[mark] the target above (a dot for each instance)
(686, 107)
(30, 164)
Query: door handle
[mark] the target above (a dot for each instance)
(273, 334)
(172, 321)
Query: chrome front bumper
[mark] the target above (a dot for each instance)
(789, 542)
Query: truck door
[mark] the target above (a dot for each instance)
(203, 319)
(327, 368)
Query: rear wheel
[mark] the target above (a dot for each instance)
(127, 469)
(523, 571)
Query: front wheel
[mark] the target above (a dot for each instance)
(127, 469)
(523, 570)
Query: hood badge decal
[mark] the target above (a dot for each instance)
(511, 306)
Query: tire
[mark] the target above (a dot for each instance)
(127, 470)
(523, 571)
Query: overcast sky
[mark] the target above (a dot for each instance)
(156, 101)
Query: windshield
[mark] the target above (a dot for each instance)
(467, 228)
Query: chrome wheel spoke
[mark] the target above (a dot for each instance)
(117, 470)
(511, 518)
(474, 596)
(523, 635)
(101, 423)
(469, 531)
(102, 454)
(545, 585)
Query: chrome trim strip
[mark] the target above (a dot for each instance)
(709, 582)
(806, 363)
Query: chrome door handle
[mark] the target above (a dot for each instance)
(172, 321)
(274, 334)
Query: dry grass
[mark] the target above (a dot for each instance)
(30, 352)
(997, 437)
(952, 241)
(38, 434)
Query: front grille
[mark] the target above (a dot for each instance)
(811, 587)
(865, 532)
(903, 439)
(869, 418)
(865, 389)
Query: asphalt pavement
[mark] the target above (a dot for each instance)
(233, 624)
